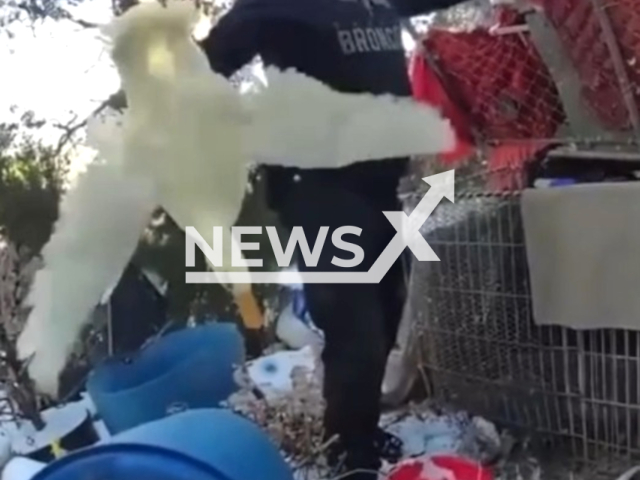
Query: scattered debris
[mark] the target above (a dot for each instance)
(424, 431)
(295, 326)
(273, 374)
(283, 394)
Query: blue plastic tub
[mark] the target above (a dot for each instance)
(190, 368)
(201, 444)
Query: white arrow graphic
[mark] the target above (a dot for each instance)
(407, 235)
(408, 226)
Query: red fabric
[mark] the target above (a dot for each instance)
(502, 80)
(505, 87)
(486, 69)
(428, 89)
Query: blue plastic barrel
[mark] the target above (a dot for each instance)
(201, 444)
(190, 368)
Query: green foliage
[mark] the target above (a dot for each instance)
(31, 184)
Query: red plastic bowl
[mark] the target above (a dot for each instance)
(440, 467)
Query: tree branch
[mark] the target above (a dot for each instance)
(36, 11)
(83, 23)
(115, 101)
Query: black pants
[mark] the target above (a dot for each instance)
(360, 321)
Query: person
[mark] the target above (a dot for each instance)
(352, 46)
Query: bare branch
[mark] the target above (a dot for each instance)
(35, 11)
(115, 101)
(79, 21)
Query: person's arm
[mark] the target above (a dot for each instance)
(232, 42)
(411, 8)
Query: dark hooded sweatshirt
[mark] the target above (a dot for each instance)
(353, 46)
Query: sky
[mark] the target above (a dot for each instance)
(59, 69)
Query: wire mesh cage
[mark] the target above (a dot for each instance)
(602, 41)
(556, 71)
(515, 83)
(482, 351)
